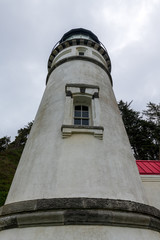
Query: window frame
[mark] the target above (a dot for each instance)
(81, 51)
(82, 99)
(87, 95)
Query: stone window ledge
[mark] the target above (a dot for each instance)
(68, 130)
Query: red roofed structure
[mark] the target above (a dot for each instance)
(148, 167)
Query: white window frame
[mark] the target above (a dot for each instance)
(82, 94)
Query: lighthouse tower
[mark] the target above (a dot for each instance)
(77, 178)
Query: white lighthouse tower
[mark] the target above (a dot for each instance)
(77, 178)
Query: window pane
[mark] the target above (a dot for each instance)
(81, 115)
(84, 108)
(77, 121)
(85, 114)
(81, 53)
(85, 121)
(78, 107)
(77, 113)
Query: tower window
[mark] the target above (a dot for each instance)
(82, 110)
(81, 53)
(81, 115)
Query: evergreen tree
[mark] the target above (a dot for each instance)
(4, 143)
(152, 115)
(142, 133)
(131, 121)
(21, 138)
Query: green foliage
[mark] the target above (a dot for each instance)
(153, 113)
(4, 142)
(153, 116)
(22, 136)
(10, 154)
(8, 163)
(143, 133)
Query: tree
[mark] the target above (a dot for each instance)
(152, 115)
(142, 133)
(22, 136)
(4, 143)
(131, 121)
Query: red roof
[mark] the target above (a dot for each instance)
(148, 167)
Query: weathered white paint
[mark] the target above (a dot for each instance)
(151, 185)
(79, 233)
(81, 165)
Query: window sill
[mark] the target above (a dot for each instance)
(68, 130)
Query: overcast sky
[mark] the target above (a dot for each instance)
(129, 29)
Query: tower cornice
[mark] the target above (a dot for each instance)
(79, 42)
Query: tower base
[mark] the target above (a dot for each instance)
(79, 218)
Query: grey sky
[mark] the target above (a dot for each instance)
(29, 29)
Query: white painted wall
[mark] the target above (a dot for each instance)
(79, 233)
(81, 165)
(151, 185)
